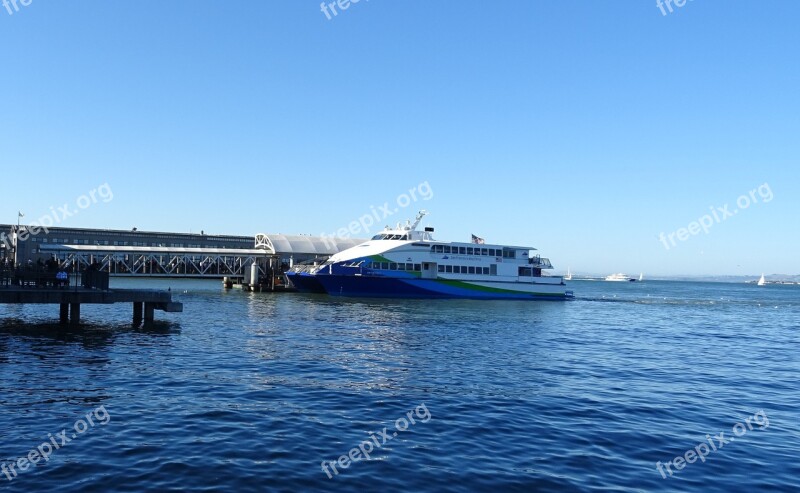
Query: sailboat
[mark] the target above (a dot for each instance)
(568, 277)
(762, 281)
(641, 276)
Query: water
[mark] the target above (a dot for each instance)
(251, 392)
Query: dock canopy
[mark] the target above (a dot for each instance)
(277, 244)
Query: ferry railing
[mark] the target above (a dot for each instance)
(34, 277)
(542, 263)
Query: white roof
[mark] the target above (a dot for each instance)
(265, 244)
(306, 245)
(143, 249)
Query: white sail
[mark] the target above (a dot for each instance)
(568, 277)
(762, 281)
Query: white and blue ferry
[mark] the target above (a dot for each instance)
(403, 262)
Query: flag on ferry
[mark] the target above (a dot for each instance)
(477, 240)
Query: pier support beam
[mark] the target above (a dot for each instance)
(75, 313)
(137, 313)
(64, 313)
(149, 312)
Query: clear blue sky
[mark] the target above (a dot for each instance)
(583, 128)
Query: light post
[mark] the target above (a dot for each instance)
(16, 240)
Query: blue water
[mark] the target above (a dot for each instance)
(251, 392)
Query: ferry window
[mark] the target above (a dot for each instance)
(470, 250)
(409, 266)
(404, 237)
(376, 237)
(441, 268)
(472, 270)
(491, 252)
(525, 271)
(392, 266)
(485, 271)
(462, 250)
(448, 268)
(493, 269)
(446, 249)
(385, 265)
(417, 267)
(439, 248)
(484, 251)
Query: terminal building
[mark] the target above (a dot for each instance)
(147, 253)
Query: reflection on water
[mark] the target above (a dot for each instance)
(251, 391)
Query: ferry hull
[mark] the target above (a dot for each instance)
(305, 283)
(388, 287)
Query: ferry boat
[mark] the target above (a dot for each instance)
(403, 262)
(618, 278)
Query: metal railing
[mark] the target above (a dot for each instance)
(35, 277)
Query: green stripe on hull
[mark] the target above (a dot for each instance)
(486, 289)
(379, 258)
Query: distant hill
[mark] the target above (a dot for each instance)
(791, 278)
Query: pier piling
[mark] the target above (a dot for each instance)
(137, 314)
(75, 314)
(64, 314)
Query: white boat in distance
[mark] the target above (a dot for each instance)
(618, 278)
(568, 277)
(762, 281)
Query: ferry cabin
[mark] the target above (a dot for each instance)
(458, 261)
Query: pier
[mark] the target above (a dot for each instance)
(40, 288)
(253, 264)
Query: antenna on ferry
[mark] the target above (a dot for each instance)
(420, 215)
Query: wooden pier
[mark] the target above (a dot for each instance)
(70, 298)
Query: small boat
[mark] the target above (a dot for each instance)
(568, 277)
(641, 277)
(762, 281)
(617, 278)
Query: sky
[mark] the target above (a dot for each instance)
(585, 129)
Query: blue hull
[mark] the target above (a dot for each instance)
(305, 283)
(388, 287)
